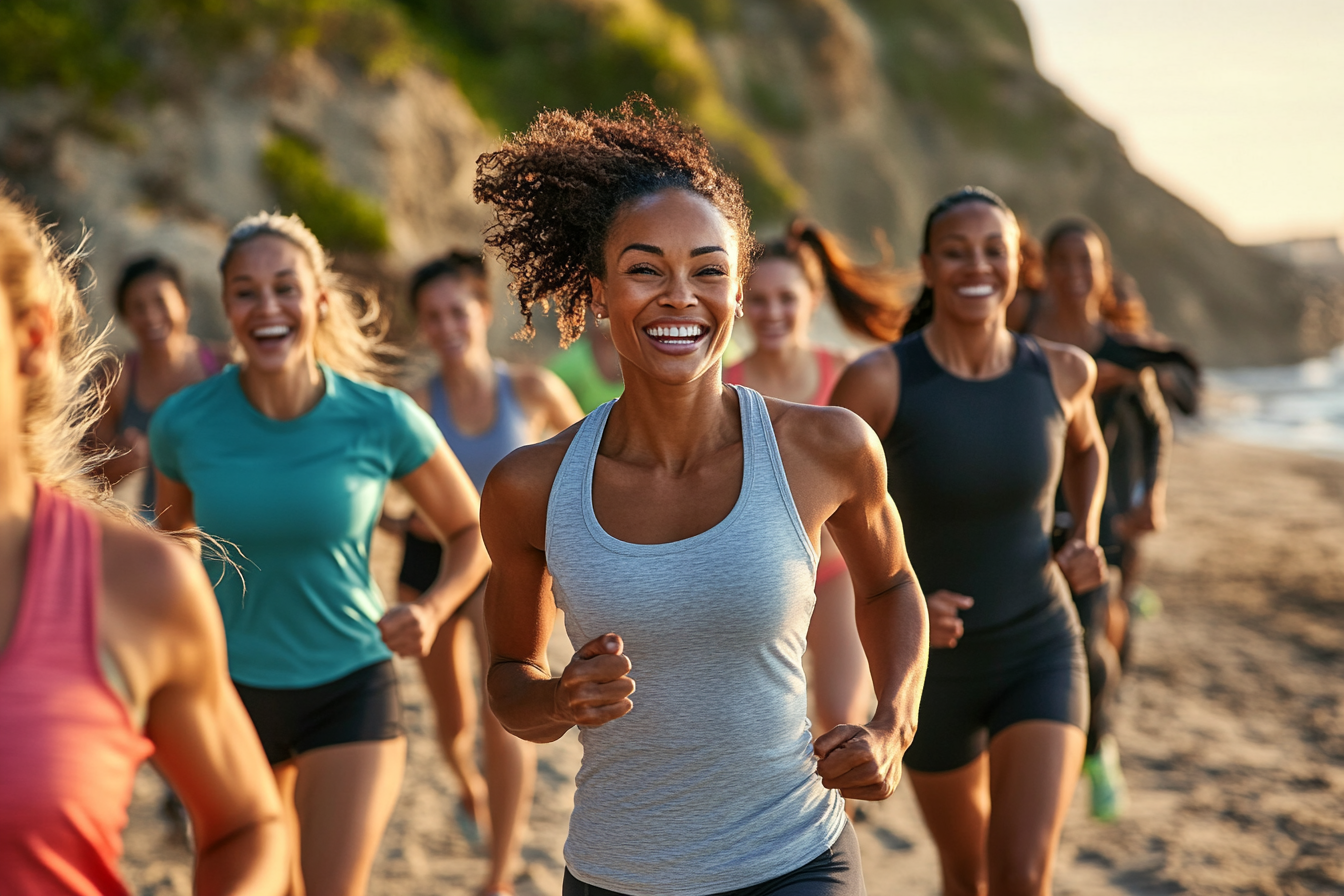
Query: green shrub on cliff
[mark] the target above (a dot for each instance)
(343, 219)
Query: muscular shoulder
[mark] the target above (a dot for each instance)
(1071, 368)
(518, 489)
(826, 437)
(149, 577)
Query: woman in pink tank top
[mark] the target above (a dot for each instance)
(110, 643)
(792, 277)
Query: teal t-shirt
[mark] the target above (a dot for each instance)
(297, 500)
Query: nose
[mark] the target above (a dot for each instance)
(680, 293)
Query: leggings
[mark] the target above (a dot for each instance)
(836, 872)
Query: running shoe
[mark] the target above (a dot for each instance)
(1145, 603)
(1110, 795)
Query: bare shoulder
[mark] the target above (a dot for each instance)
(519, 486)
(826, 436)
(1072, 369)
(534, 384)
(875, 366)
(151, 581)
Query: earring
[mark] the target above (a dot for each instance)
(741, 312)
(597, 314)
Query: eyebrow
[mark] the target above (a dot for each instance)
(654, 250)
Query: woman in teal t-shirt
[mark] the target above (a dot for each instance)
(285, 458)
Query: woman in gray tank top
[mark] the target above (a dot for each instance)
(978, 424)
(678, 528)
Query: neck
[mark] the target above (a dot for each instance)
(286, 393)
(471, 369)
(974, 351)
(778, 362)
(1078, 316)
(673, 426)
(168, 354)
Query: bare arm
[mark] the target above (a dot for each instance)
(863, 762)
(1084, 480)
(447, 499)
(162, 625)
(520, 613)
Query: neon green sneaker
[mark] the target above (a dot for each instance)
(1145, 603)
(1110, 795)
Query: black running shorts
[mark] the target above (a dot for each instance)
(836, 872)
(361, 706)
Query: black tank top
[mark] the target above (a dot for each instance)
(973, 466)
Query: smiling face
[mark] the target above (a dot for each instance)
(154, 309)
(273, 303)
(671, 286)
(972, 262)
(1076, 268)
(778, 302)
(452, 317)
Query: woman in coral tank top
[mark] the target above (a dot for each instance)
(111, 647)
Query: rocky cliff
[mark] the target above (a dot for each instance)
(367, 118)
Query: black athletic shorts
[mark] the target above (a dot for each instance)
(420, 563)
(1031, 669)
(362, 706)
(836, 872)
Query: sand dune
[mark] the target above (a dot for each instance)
(1230, 724)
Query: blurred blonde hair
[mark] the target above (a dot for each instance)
(65, 399)
(349, 338)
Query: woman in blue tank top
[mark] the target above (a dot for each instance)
(678, 528)
(978, 424)
(485, 409)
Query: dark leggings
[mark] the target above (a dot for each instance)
(1103, 664)
(836, 872)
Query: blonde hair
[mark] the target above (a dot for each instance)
(349, 338)
(65, 399)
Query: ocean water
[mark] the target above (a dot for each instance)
(1299, 407)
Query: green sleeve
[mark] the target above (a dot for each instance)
(163, 441)
(414, 437)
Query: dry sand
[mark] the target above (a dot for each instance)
(1230, 723)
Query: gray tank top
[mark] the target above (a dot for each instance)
(709, 783)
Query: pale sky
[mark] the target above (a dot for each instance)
(1236, 106)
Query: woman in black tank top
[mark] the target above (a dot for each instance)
(978, 426)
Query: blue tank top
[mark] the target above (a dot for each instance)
(709, 784)
(479, 454)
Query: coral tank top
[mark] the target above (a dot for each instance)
(68, 750)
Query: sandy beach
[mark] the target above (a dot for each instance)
(1231, 723)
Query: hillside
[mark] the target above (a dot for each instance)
(160, 122)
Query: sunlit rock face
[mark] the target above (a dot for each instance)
(860, 113)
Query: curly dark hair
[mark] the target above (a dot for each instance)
(557, 188)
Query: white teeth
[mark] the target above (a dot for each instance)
(678, 332)
(976, 291)
(270, 332)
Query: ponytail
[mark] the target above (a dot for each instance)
(867, 297)
(921, 315)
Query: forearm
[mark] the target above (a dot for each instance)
(1084, 484)
(524, 699)
(253, 860)
(465, 565)
(894, 629)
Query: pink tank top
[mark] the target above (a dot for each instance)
(68, 751)
(827, 376)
